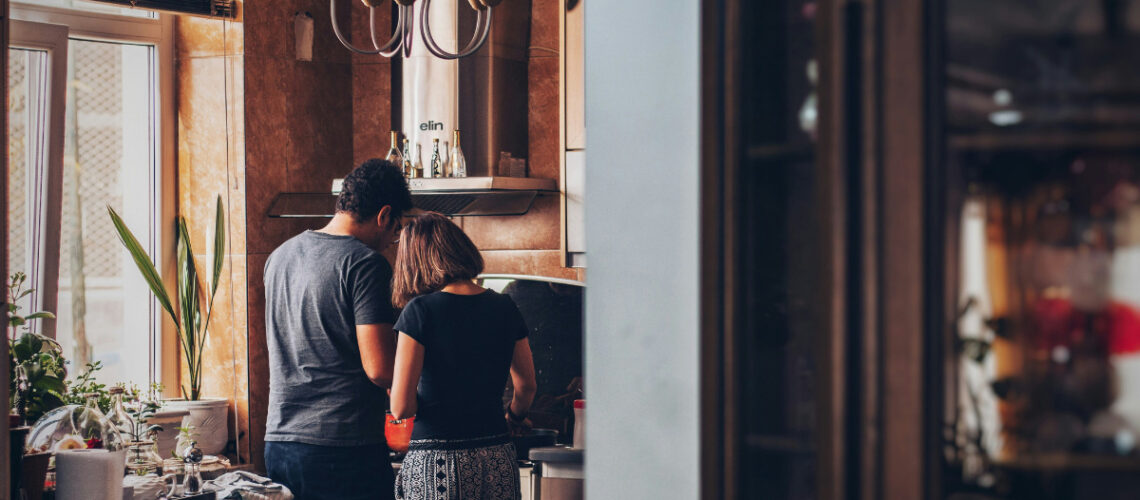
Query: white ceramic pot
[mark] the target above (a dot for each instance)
(208, 418)
(170, 419)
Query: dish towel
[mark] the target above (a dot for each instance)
(242, 485)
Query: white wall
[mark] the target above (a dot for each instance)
(642, 184)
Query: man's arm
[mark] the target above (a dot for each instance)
(377, 352)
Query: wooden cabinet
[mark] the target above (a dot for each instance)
(573, 140)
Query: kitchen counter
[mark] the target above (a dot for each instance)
(558, 454)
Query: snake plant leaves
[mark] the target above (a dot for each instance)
(143, 262)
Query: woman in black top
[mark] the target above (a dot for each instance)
(457, 343)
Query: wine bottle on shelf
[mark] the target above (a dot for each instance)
(444, 159)
(457, 161)
(436, 164)
(394, 154)
(418, 163)
(409, 168)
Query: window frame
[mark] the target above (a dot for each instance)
(52, 39)
(158, 32)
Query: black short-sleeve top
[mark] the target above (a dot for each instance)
(468, 344)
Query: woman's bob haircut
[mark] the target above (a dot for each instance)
(433, 253)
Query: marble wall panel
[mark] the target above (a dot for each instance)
(224, 358)
(258, 358)
(205, 37)
(270, 29)
(530, 262)
(544, 115)
(360, 36)
(319, 116)
(371, 111)
(326, 47)
(211, 147)
(544, 34)
(539, 229)
(211, 160)
(270, 150)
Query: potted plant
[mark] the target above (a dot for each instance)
(36, 364)
(37, 371)
(191, 321)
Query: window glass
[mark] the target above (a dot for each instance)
(1042, 167)
(109, 161)
(778, 254)
(28, 98)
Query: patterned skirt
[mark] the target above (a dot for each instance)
(477, 469)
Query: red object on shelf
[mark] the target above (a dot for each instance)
(398, 433)
(1124, 335)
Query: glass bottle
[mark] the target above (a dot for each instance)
(418, 169)
(118, 417)
(409, 167)
(94, 428)
(436, 164)
(458, 161)
(444, 159)
(394, 154)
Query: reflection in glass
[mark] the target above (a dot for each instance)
(1043, 163)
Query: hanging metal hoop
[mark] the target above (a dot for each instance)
(392, 47)
(389, 49)
(482, 30)
(408, 12)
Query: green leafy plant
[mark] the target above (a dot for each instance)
(189, 321)
(84, 383)
(141, 407)
(37, 369)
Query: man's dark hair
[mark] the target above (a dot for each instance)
(371, 186)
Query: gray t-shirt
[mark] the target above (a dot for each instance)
(318, 287)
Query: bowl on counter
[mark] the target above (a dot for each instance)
(534, 438)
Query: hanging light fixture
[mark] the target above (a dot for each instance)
(404, 33)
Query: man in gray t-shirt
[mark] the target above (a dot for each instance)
(328, 321)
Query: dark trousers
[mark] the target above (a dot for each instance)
(330, 472)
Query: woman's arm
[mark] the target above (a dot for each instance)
(406, 376)
(522, 378)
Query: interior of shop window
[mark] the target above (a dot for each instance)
(1039, 198)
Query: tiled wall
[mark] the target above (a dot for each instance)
(211, 163)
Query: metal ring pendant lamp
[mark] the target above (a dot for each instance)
(404, 33)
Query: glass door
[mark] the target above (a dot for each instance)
(1041, 174)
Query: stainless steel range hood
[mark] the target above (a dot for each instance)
(465, 197)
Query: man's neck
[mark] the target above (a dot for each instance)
(342, 224)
